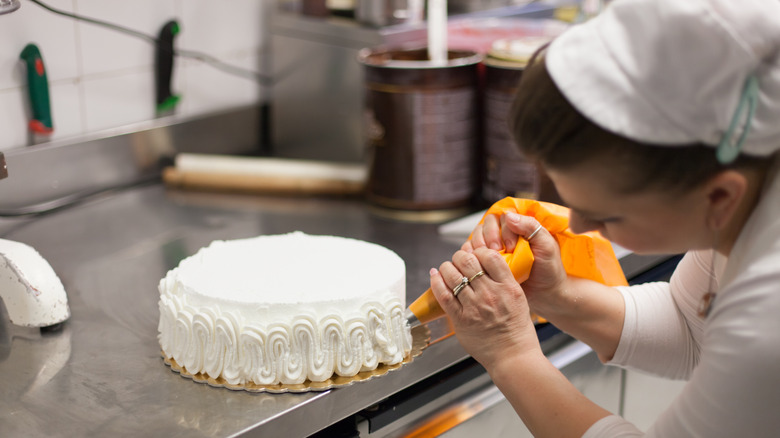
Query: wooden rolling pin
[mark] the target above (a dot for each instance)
(264, 175)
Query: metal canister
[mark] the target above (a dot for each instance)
(507, 172)
(422, 126)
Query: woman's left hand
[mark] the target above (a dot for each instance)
(491, 316)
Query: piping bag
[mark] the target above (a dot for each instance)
(586, 255)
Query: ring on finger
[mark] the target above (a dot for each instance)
(531, 236)
(463, 283)
(477, 275)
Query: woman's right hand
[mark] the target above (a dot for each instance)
(547, 281)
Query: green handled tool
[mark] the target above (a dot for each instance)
(38, 85)
(164, 52)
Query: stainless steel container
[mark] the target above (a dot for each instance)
(422, 124)
(317, 97)
(507, 171)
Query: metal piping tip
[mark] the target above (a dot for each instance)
(412, 318)
(8, 6)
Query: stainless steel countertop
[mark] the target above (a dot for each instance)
(102, 373)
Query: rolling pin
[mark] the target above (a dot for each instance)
(586, 255)
(264, 175)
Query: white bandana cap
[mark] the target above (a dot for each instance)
(678, 71)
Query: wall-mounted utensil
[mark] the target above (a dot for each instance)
(163, 67)
(38, 91)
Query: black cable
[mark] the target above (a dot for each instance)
(115, 27)
(199, 56)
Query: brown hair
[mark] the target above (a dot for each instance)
(547, 128)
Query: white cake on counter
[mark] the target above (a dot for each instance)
(285, 309)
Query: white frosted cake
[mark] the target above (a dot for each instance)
(284, 309)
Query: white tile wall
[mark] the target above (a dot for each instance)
(12, 122)
(55, 36)
(221, 27)
(101, 79)
(205, 88)
(122, 97)
(66, 105)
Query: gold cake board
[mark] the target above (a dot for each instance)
(421, 337)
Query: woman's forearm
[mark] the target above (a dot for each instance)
(548, 404)
(588, 311)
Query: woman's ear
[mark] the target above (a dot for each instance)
(725, 193)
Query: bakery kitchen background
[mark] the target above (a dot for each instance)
(136, 133)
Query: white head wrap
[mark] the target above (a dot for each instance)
(674, 71)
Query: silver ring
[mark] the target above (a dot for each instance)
(477, 275)
(463, 283)
(534, 233)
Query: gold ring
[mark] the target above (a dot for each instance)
(534, 233)
(477, 275)
(463, 283)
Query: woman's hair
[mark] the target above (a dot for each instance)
(548, 129)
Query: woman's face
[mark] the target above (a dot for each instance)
(649, 222)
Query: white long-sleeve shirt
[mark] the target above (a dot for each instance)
(731, 358)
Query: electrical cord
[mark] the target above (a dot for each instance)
(191, 54)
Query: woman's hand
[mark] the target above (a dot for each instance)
(585, 309)
(492, 322)
(490, 314)
(547, 280)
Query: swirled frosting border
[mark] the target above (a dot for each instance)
(220, 344)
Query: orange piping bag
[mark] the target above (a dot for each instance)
(586, 255)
